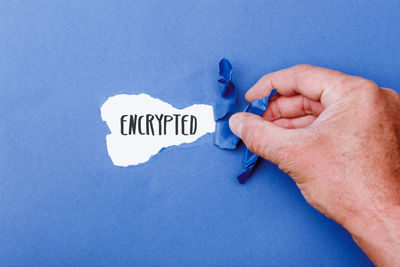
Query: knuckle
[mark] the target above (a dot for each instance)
(301, 67)
(365, 91)
(284, 123)
(275, 110)
(265, 78)
(302, 70)
(289, 124)
(362, 84)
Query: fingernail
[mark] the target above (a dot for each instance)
(247, 95)
(235, 123)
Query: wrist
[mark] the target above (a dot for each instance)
(377, 232)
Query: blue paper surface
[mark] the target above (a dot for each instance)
(63, 202)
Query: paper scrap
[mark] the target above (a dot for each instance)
(224, 107)
(250, 159)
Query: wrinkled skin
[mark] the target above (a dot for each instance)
(338, 137)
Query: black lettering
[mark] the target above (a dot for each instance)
(149, 124)
(159, 119)
(193, 124)
(140, 125)
(176, 123)
(167, 118)
(183, 123)
(132, 124)
(137, 125)
(122, 124)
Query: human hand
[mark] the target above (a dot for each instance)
(338, 137)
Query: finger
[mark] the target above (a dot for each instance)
(261, 136)
(315, 83)
(291, 107)
(295, 123)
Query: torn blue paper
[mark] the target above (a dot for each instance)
(250, 159)
(224, 107)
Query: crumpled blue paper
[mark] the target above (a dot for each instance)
(225, 107)
(250, 159)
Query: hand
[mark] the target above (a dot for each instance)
(338, 137)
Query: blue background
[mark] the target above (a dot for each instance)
(62, 201)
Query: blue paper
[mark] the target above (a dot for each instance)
(250, 159)
(224, 107)
(63, 202)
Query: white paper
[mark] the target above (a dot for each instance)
(133, 149)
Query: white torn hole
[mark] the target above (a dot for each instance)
(127, 146)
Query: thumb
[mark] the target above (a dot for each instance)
(263, 137)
